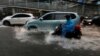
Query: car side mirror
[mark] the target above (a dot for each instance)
(41, 19)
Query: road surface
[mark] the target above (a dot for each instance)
(16, 41)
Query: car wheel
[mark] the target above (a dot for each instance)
(32, 27)
(7, 23)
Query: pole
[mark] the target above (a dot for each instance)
(66, 6)
(26, 3)
(14, 2)
(83, 7)
(49, 4)
(13, 9)
(38, 3)
(9, 2)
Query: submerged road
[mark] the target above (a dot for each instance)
(15, 42)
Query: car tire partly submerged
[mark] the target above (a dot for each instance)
(6, 23)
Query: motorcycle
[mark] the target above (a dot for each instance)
(75, 34)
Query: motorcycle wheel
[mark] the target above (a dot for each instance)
(77, 37)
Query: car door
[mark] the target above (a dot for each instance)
(60, 18)
(24, 17)
(52, 20)
(45, 22)
(19, 18)
(16, 19)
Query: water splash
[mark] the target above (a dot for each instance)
(44, 37)
(20, 34)
(85, 42)
(24, 35)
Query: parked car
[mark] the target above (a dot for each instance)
(96, 20)
(17, 19)
(87, 21)
(50, 20)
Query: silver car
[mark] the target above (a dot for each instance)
(50, 20)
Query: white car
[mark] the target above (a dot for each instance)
(17, 19)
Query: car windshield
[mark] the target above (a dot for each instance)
(96, 17)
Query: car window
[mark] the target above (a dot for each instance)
(49, 17)
(58, 16)
(61, 16)
(73, 16)
(21, 15)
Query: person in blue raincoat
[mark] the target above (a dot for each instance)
(68, 27)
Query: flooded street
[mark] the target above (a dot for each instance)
(16, 41)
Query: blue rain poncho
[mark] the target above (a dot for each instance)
(68, 27)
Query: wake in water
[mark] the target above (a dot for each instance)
(33, 36)
(85, 42)
(44, 37)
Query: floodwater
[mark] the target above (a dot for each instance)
(88, 42)
(42, 43)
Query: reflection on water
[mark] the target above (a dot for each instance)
(44, 37)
